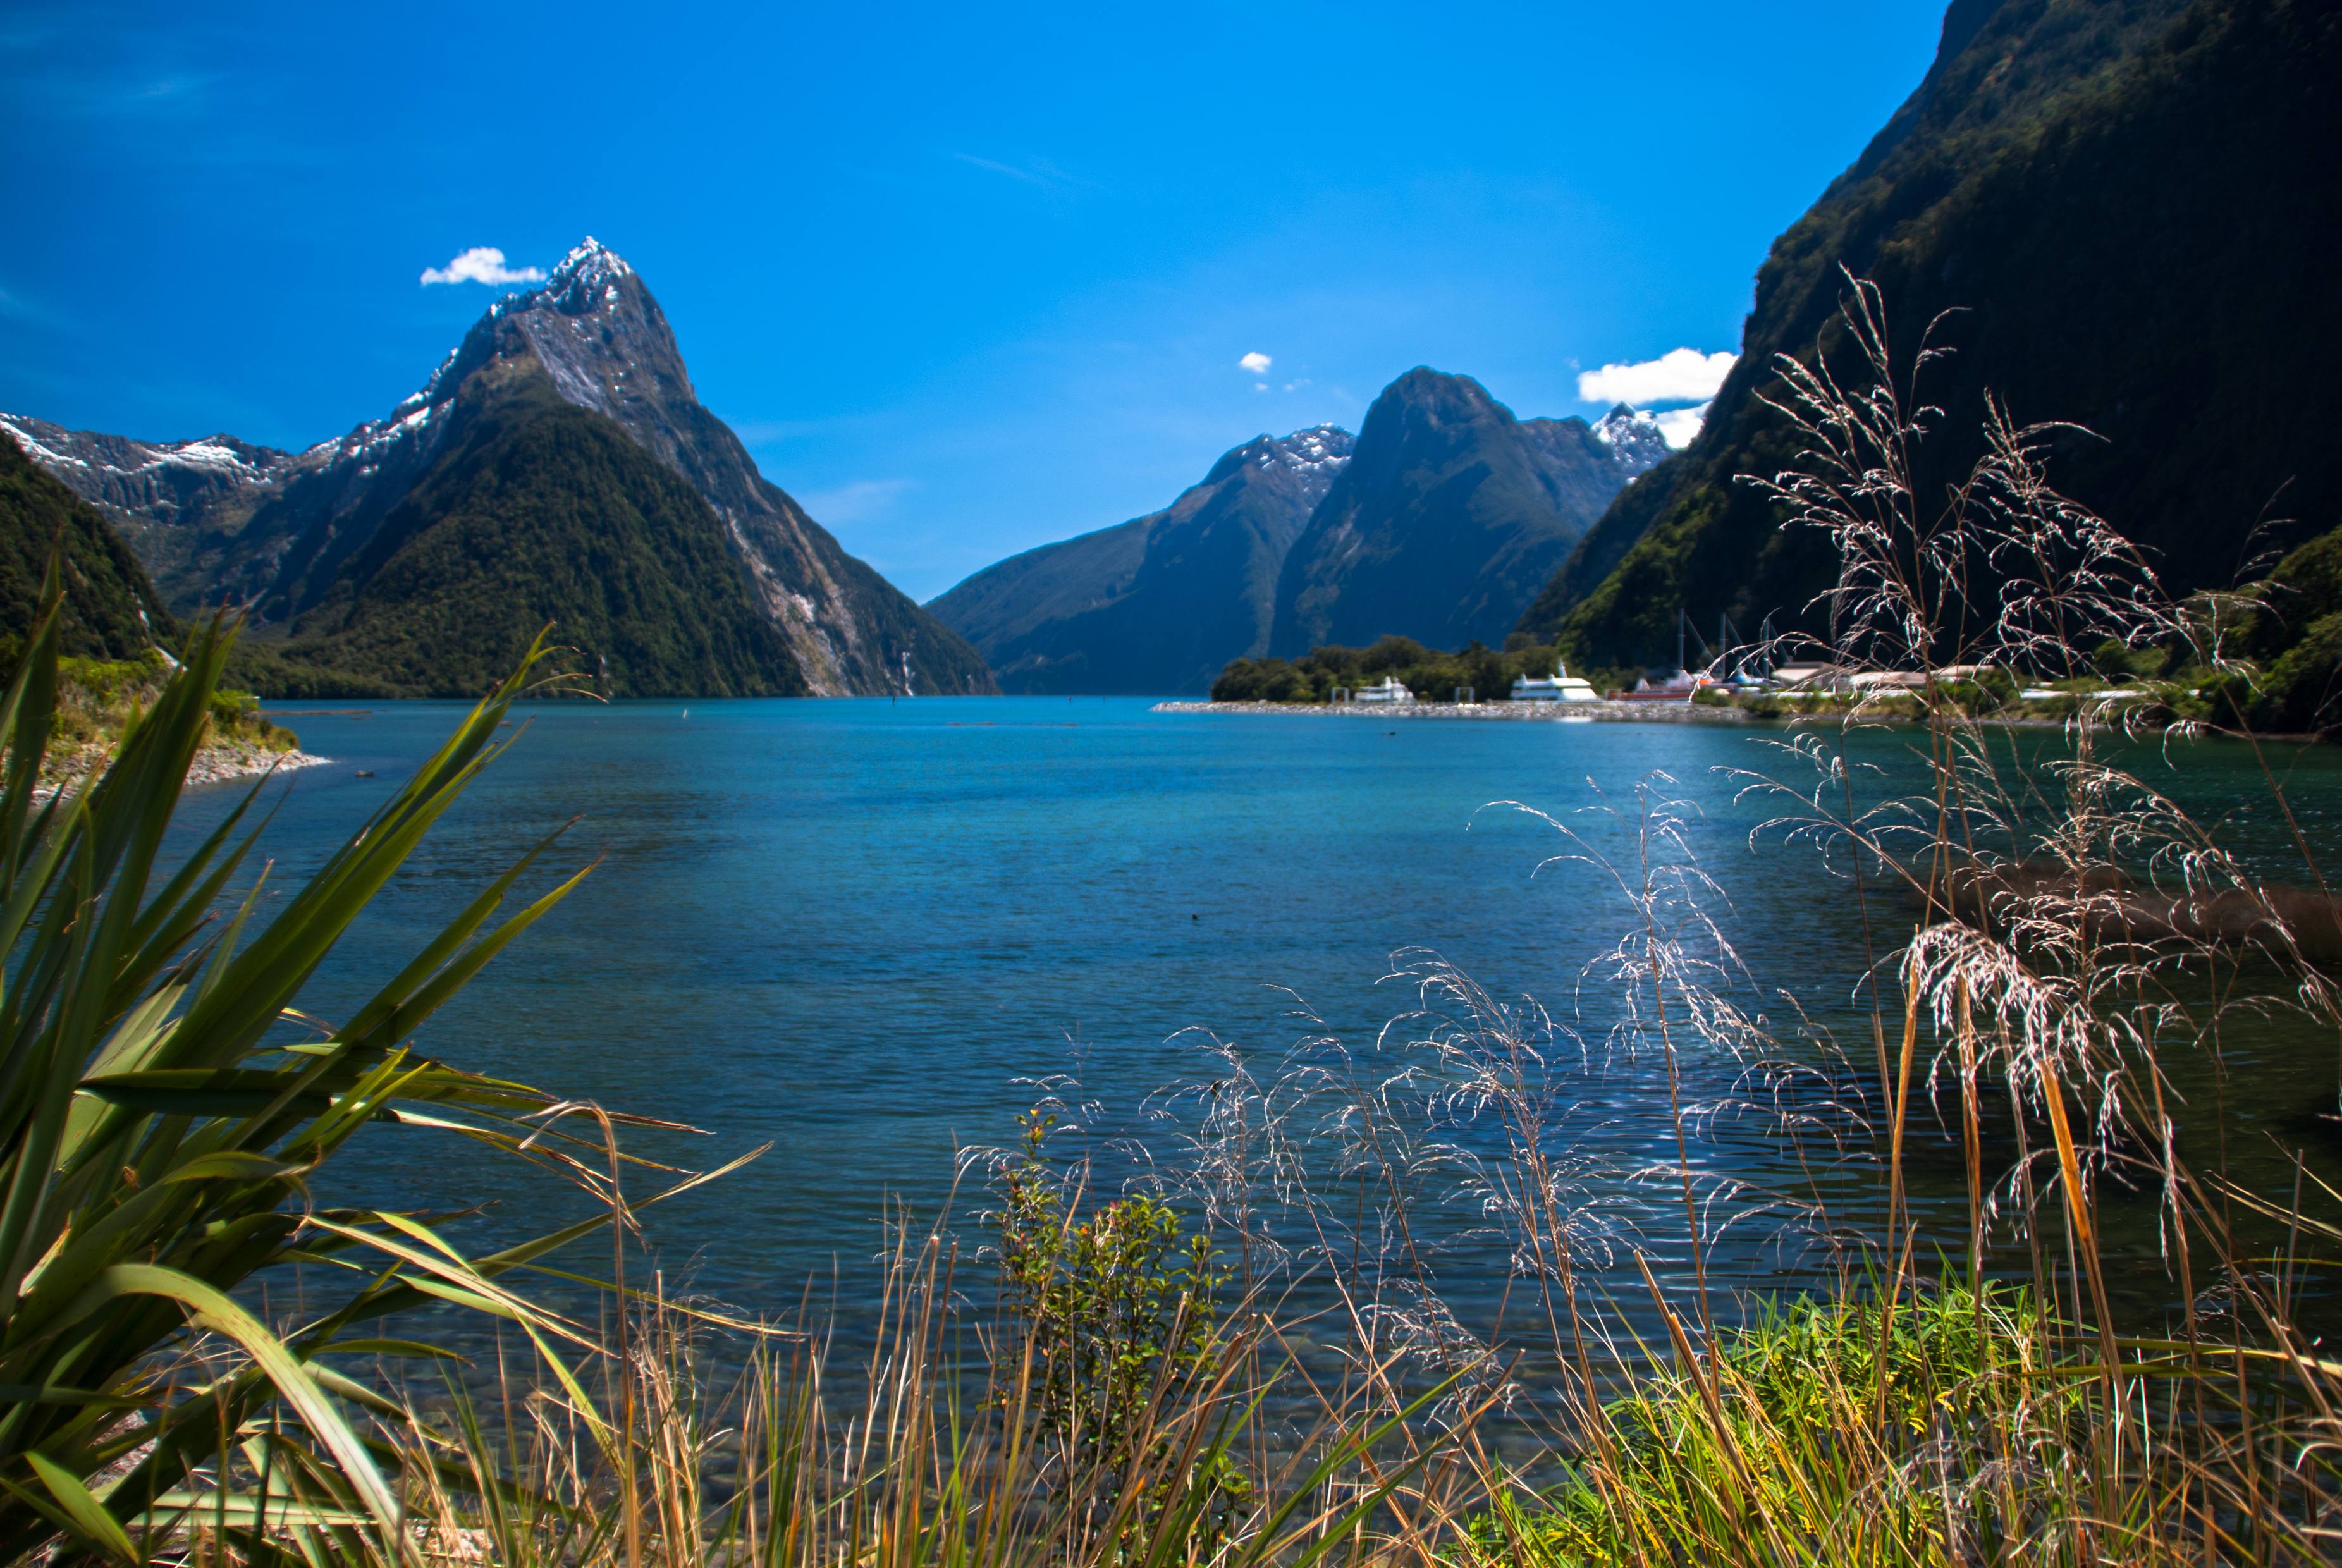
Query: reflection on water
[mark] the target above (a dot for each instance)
(872, 932)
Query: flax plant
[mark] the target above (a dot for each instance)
(165, 1103)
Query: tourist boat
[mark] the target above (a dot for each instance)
(1559, 687)
(1677, 688)
(1388, 690)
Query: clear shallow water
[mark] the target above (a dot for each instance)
(861, 931)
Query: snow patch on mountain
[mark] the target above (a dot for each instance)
(46, 456)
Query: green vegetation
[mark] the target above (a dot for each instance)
(2122, 204)
(110, 610)
(1114, 1336)
(1786, 1420)
(162, 1106)
(1431, 674)
(2295, 633)
(541, 515)
(98, 701)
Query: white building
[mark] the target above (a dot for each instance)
(1560, 687)
(1388, 690)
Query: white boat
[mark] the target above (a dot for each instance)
(1559, 687)
(1388, 690)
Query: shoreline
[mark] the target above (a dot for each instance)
(212, 765)
(1600, 709)
(1606, 711)
(225, 764)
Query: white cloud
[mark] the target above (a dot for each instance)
(1254, 363)
(1677, 375)
(1680, 424)
(481, 263)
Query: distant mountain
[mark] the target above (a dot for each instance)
(2131, 203)
(1449, 517)
(1437, 522)
(308, 540)
(1159, 604)
(181, 504)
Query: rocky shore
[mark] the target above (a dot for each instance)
(213, 765)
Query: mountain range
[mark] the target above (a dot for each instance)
(2128, 207)
(1439, 521)
(557, 467)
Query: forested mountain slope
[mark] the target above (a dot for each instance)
(2132, 203)
(540, 512)
(111, 611)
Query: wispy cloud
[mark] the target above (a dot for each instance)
(15, 307)
(1678, 375)
(1033, 172)
(857, 501)
(481, 263)
(1027, 175)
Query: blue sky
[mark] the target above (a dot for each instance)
(965, 280)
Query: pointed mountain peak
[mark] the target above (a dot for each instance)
(1635, 438)
(587, 281)
(1619, 424)
(591, 255)
(593, 268)
(1428, 399)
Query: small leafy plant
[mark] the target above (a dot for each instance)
(1113, 1335)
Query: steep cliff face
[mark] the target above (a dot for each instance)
(285, 532)
(1159, 604)
(2128, 203)
(1449, 519)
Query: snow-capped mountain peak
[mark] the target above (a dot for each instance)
(1635, 438)
(586, 280)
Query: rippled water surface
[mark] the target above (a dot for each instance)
(861, 931)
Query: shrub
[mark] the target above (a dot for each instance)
(1114, 1333)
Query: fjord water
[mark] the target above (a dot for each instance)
(872, 932)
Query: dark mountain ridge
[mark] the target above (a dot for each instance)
(2130, 202)
(1450, 517)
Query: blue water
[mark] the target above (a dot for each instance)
(870, 934)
